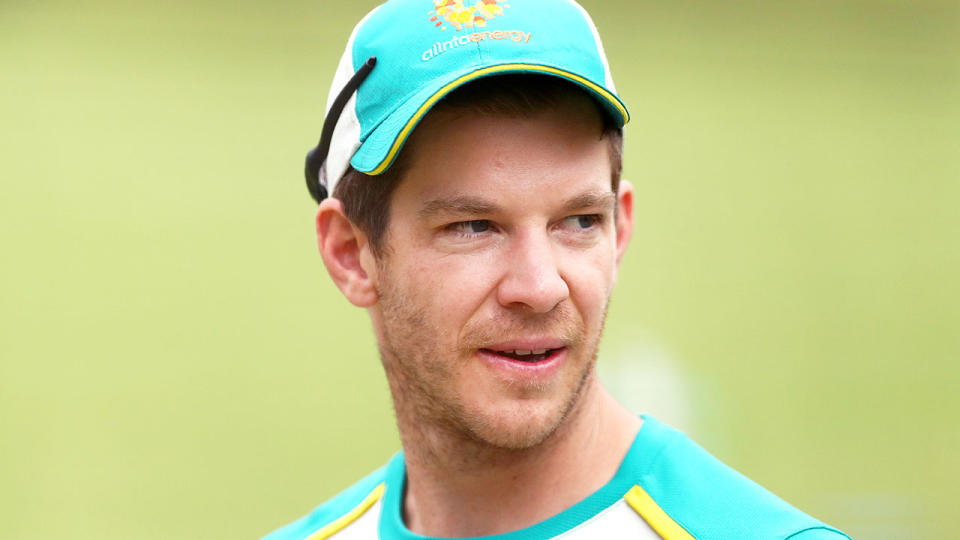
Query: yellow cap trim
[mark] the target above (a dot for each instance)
(650, 511)
(405, 132)
(351, 516)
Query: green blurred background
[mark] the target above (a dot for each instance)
(175, 363)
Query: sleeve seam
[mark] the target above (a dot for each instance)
(815, 528)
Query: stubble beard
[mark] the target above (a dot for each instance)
(421, 367)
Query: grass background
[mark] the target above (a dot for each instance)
(174, 362)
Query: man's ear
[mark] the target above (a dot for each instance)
(624, 217)
(346, 254)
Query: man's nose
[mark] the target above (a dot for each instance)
(532, 278)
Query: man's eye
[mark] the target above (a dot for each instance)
(475, 226)
(584, 221)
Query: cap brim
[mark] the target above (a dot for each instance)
(381, 147)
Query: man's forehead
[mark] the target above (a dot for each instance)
(548, 161)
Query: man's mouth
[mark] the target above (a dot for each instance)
(531, 357)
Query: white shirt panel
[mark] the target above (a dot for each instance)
(364, 527)
(620, 520)
(617, 521)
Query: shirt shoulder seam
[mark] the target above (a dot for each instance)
(815, 528)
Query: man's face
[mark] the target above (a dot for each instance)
(502, 250)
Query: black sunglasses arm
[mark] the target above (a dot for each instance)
(318, 155)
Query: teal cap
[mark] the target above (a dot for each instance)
(424, 49)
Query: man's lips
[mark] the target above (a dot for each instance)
(524, 367)
(529, 351)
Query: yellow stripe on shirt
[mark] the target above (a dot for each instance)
(351, 516)
(650, 511)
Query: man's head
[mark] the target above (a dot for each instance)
(486, 245)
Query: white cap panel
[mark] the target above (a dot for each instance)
(346, 134)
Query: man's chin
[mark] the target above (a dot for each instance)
(511, 422)
(520, 428)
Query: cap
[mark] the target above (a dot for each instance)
(405, 55)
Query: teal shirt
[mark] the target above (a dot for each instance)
(666, 487)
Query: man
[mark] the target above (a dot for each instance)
(473, 156)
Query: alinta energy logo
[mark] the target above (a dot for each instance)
(461, 14)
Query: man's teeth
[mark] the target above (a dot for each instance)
(520, 352)
(523, 355)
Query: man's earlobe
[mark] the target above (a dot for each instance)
(624, 217)
(345, 252)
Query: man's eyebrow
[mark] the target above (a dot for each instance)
(463, 205)
(592, 199)
(475, 206)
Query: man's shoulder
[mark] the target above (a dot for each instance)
(679, 489)
(337, 512)
(710, 500)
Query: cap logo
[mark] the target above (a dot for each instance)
(461, 14)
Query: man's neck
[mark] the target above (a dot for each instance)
(456, 487)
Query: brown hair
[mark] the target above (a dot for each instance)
(366, 199)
